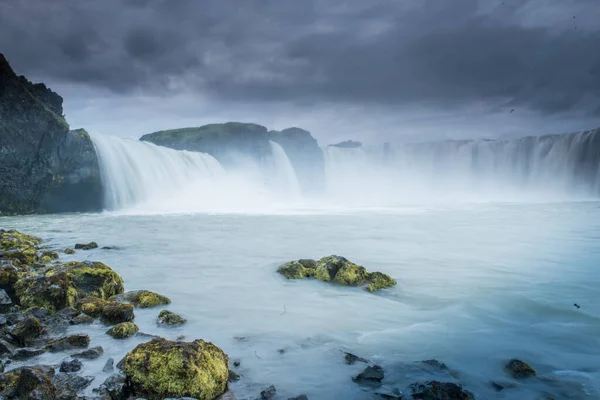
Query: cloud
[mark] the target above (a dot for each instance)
(537, 55)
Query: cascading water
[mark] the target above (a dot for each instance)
(282, 172)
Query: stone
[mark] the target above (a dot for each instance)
(15, 245)
(92, 278)
(162, 368)
(86, 246)
(52, 255)
(370, 374)
(26, 353)
(109, 366)
(268, 393)
(168, 318)
(519, 369)
(70, 365)
(236, 363)
(301, 397)
(234, 376)
(114, 388)
(434, 390)
(90, 354)
(28, 331)
(69, 250)
(144, 299)
(123, 330)
(68, 343)
(33, 382)
(51, 293)
(352, 359)
(69, 385)
(82, 319)
(115, 313)
(435, 364)
(5, 301)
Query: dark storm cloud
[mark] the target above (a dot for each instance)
(542, 55)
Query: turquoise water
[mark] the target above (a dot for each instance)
(478, 284)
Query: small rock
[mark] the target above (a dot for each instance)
(82, 319)
(180, 338)
(236, 363)
(69, 250)
(6, 348)
(281, 351)
(435, 364)
(233, 376)
(434, 390)
(352, 359)
(5, 301)
(301, 397)
(268, 393)
(166, 317)
(90, 354)
(497, 387)
(68, 343)
(108, 248)
(240, 338)
(28, 330)
(69, 385)
(143, 298)
(70, 366)
(114, 387)
(123, 330)
(26, 352)
(88, 246)
(109, 366)
(115, 313)
(519, 369)
(390, 394)
(370, 374)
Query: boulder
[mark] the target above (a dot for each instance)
(90, 354)
(519, 369)
(268, 393)
(109, 365)
(168, 318)
(123, 330)
(52, 255)
(370, 374)
(298, 269)
(114, 388)
(92, 306)
(28, 331)
(91, 278)
(26, 353)
(69, 250)
(69, 385)
(162, 368)
(68, 343)
(144, 298)
(33, 382)
(15, 245)
(115, 313)
(51, 293)
(86, 246)
(70, 365)
(434, 390)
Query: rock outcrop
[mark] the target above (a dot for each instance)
(44, 166)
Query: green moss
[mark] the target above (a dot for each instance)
(29, 383)
(51, 293)
(45, 260)
(123, 330)
(27, 330)
(160, 368)
(114, 313)
(92, 306)
(327, 267)
(8, 278)
(295, 270)
(19, 246)
(351, 274)
(166, 317)
(69, 250)
(379, 280)
(50, 254)
(146, 299)
(94, 279)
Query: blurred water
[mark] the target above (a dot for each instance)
(478, 284)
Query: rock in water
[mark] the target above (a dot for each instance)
(68, 385)
(52, 293)
(268, 393)
(301, 397)
(28, 383)
(90, 354)
(92, 278)
(123, 330)
(114, 313)
(168, 318)
(86, 246)
(69, 250)
(352, 359)
(144, 299)
(234, 376)
(370, 374)
(70, 366)
(519, 369)
(25, 353)
(162, 368)
(109, 365)
(434, 390)
(68, 343)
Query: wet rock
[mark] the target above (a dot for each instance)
(26, 353)
(5, 301)
(168, 318)
(434, 390)
(519, 369)
(92, 306)
(123, 330)
(228, 395)
(115, 388)
(91, 278)
(82, 319)
(370, 374)
(70, 365)
(86, 246)
(268, 393)
(90, 354)
(390, 394)
(233, 376)
(143, 299)
(352, 359)
(18, 246)
(68, 385)
(435, 364)
(162, 368)
(33, 382)
(28, 331)
(114, 313)
(69, 250)
(109, 365)
(121, 364)
(68, 343)
(3, 320)
(236, 363)
(6, 348)
(301, 397)
(298, 269)
(52, 255)
(63, 317)
(51, 293)
(8, 277)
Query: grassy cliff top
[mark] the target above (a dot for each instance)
(205, 132)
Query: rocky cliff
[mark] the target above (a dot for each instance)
(44, 167)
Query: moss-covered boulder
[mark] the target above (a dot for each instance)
(92, 306)
(338, 270)
(166, 317)
(8, 278)
(68, 343)
(69, 250)
(51, 293)
(123, 330)
(86, 246)
(28, 330)
(28, 383)
(160, 369)
(52, 255)
(144, 298)
(114, 313)
(92, 278)
(18, 246)
(519, 369)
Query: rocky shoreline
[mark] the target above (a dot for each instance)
(41, 296)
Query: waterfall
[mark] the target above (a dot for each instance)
(282, 172)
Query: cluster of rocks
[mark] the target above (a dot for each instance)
(338, 270)
(41, 296)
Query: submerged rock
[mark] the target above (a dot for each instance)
(162, 368)
(268, 393)
(352, 359)
(168, 318)
(337, 270)
(123, 330)
(26, 353)
(86, 246)
(69, 250)
(144, 299)
(114, 313)
(370, 374)
(33, 382)
(234, 376)
(70, 366)
(90, 354)
(434, 390)
(68, 343)
(301, 397)
(519, 369)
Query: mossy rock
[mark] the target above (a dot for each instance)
(51, 293)
(69, 250)
(86, 246)
(92, 306)
(28, 383)
(28, 330)
(19, 246)
(166, 317)
(115, 313)
(92, 278)
(68, 343)
(45, 260)
(50, 254)
(519, 369)
(8, 278)
(379, 280)
(123, 330)
(144, 299)
(161, 369)
(298, 269)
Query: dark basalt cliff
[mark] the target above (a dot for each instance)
(44, 167)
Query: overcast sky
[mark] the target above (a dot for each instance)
(363, 69)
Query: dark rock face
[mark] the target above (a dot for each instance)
(348, 144)
(225, 142)
(519, 369)
(305, 155)
(70, 366)
(44, 167)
